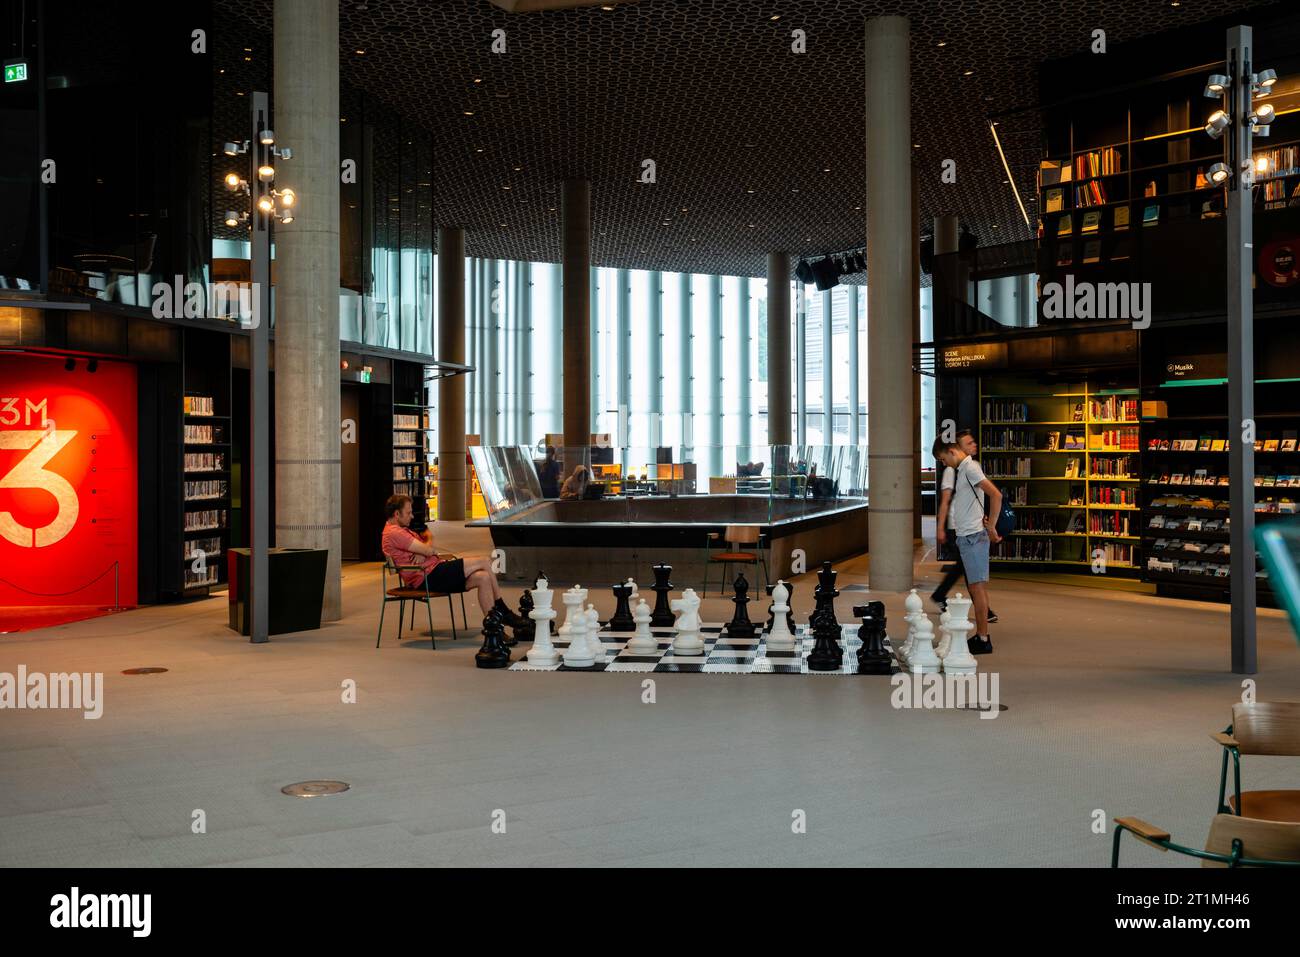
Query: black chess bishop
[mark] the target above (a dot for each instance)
(740, 626)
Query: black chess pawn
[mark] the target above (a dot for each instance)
(873, 657)
(494, 653)
(740, 626)
(662, 616)
(826, 592)
(526, 631)
(789, 615)
(622, 620)
(826, 653)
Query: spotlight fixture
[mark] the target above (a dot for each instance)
(1264, 115)
(265, 204)
(803, 272)
(266, 137)
(233, 181)
(1216, 84)
(826, 275)
(231, 149)
(266, 173)
(1217, 123)
(1219, 173)
(232, 218)
(286, 218)
(1261, 164)
(69, 364)
(287, 197)
(1265, 79)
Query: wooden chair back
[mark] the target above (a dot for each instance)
(741, 535)
(1267, 727)
(1260, 840)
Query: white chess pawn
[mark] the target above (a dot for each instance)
(959, 660)
(642, 643)
(567, 627)
(687, 641)
(779, 638)
(945, 636)
(593, 634)
(921, 659)
(578, 654)
(912, 604)
(543, 651)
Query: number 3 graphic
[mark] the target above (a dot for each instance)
(30, 472)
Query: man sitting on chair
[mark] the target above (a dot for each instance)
(448, 576)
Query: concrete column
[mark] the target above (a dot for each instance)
(576, 251)
(915, 221)
(596, 384)
(778, 349)
(493, 381)
(523, 364)
(687, 403)
(557, 352)
(744, 402)
(715, 377)
(451, 392)
(855, 399)
(801, 365)
(623, 349)
(828, 377)
(655, 360)
(891, 420)
(308, 479)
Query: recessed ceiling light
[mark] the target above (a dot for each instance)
(361, 53)
(749, 190)
(478, 79)
(685, 209)
(916, 146)
(826, 169)
(856, 208)
(503, 225)
(468, 112)
(775, 16)
(942, 43)
(968, 73)
(751, 225)
(506, 186)
(794, 189)
(518, 168)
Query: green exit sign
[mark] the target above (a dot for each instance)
(15, 71)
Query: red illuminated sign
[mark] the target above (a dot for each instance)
(68, 485)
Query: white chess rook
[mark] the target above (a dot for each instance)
(567, 627)
(780, 639)
(543, 651)
(642, 643)
(921, 659)
(578, 654)
(687, 625)
(959, 661)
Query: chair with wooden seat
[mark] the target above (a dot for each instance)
(733, 537)
(402, 593)
(1233, 842)
(1262, 727)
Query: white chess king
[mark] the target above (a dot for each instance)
(543, 651)
(959, 660)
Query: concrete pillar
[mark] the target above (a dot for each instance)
(471, 323)
(492, 379)
(623, 350)
(891, 421)
(308, 475)
(596, 384)
(778, 349)
(744, 400)
(828, 373)
(556, 422)
(801, 364)
(655, 314)
(451, 392)
(576, 251)
(917, 439)
(523, 352)
(715, 377)
(687, 398)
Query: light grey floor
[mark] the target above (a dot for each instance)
(1110, 696)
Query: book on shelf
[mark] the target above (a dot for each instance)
(1092, 251)
(1288, 445)
(1055, 200)
(1065, 255)
(1101, 162)
(1065, 225)
(1151, 215)
(1091, 221)
(198, 405)
(1120, 219)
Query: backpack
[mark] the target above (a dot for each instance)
(1006, 520)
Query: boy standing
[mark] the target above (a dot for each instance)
(974, 531)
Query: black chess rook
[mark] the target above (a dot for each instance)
(662, 616)
(622, 620)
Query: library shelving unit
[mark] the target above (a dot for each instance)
(1185, 489)
(206, 464)
(411, 436)
(1066, 456)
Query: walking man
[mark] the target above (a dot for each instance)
(974, 531)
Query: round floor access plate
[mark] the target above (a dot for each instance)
(311, 789)
(144, 671)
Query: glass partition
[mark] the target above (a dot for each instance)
(668, 484)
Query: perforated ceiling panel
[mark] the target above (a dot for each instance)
(755, 147)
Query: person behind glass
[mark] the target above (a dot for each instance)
(548, 474)
(943, 524)
(575, 486)
(448, 576)
(974, 531)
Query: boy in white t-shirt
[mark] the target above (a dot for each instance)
(965, 439)
(974, 531)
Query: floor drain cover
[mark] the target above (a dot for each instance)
(311, 789)
(975, 707)
(144, 671)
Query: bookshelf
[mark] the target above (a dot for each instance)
(1066, 456)
(207, 457)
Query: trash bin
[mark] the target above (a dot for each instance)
(296, 587)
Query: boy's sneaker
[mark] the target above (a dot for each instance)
(980, 646)
(993, 617)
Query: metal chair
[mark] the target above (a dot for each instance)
(402, 593)
(1263, 727)
(733, 537)
(1233, 842)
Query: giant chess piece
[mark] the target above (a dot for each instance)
(740, 626)
(662, 616)
(622, 620)
(873, 657)
(642, 643)
(525, 632)
(593, 634)
(789, 607)
(921, 659)
(826, 653)
(688, 640)
(913, 605)
(826, 592)
(635, 596)
(572, 610)
(494, 653)
(578, 654)
(543, 651)
(780, 637)
(959, 661)
(944, 643)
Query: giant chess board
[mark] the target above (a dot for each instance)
(722, 654)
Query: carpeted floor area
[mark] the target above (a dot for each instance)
(1110, 700)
